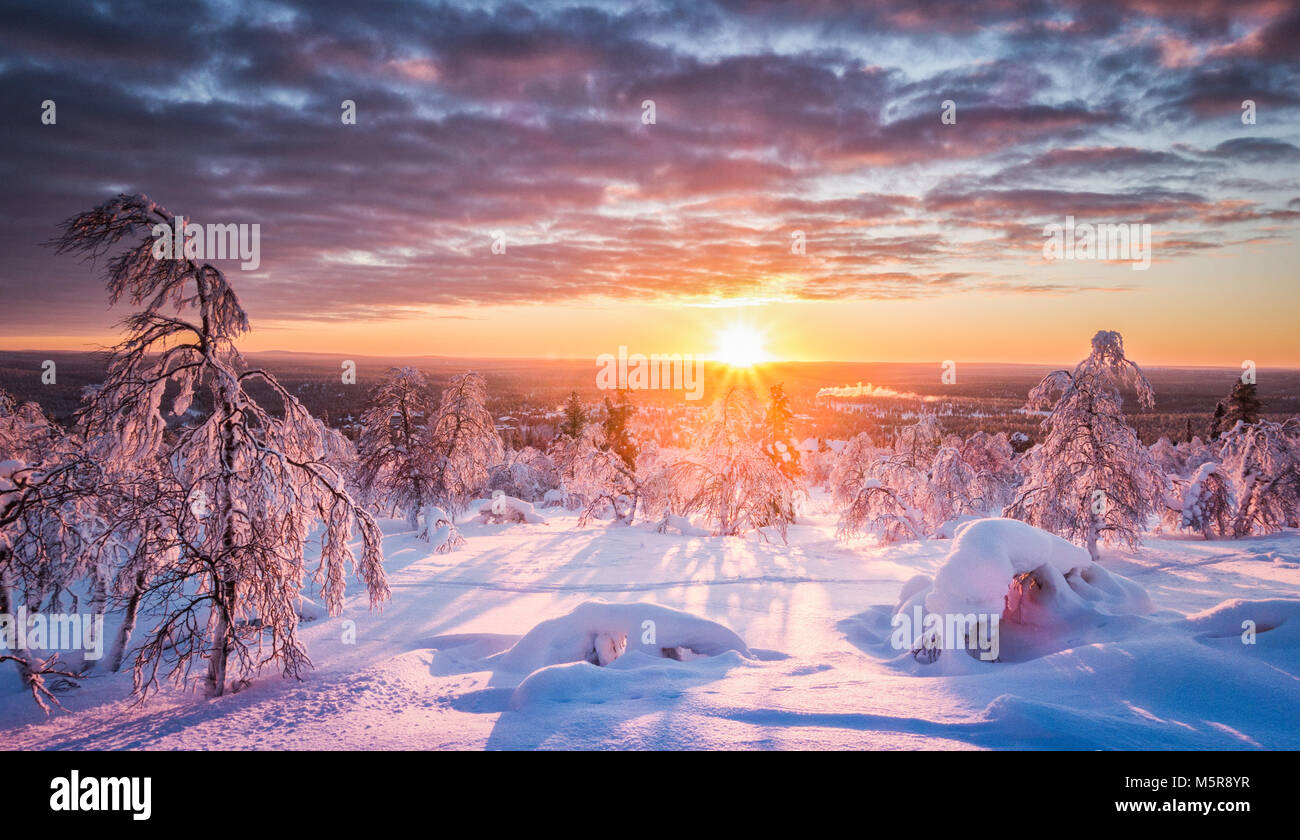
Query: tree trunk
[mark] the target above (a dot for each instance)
(128, 625)
(223, 609)
(1092, 541)
(6, 608)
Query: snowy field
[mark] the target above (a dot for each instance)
(788, 649)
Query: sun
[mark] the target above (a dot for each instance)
(740, 346)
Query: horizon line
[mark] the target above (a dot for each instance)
(591, 359)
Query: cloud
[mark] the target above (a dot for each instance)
(815, 117)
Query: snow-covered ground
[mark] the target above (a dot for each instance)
(757, 645)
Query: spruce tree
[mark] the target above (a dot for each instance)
(778, 439)
(575, 417)
(618, 438)
(1242, 405)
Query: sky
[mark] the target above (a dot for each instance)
(526, 124)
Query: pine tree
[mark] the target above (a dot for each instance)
(1216, 422)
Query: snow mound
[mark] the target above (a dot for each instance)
(1045, 594)
(989, 554)
(637, 676)
(503, 509)
(599, 633)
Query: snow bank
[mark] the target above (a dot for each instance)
(600, 633)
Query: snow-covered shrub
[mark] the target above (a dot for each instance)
(925, 481)
(1168, 457)
(1192, 453)
(672, 522)
(440, 530)
(992, 458)
(851, 468)
(819, 468)
(882, 512)
(525, 474)
(561, 497)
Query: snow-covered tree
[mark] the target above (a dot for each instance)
(464, 443)
(882, 512)
(867, 505)
(49, 500)
(728, 478)
(924, 480)
(1091, 480)
(852, 468)
(601, 478)
(992, 458)
(1205, 504)
(1193, 453)
(243, 488)
(394, 450)
(1263, 461)
(1168, 456)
